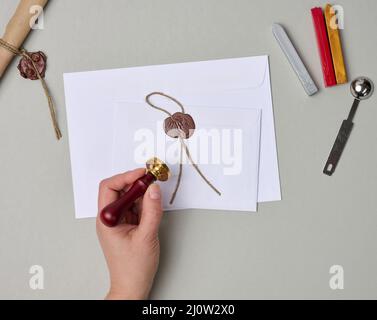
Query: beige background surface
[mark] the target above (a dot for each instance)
(284, 251)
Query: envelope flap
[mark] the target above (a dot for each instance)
(176, 79)
(221, 75)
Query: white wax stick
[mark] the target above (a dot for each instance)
(294, 59)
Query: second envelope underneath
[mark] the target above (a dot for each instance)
(225, 145)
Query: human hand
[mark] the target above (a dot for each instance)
(131, 249)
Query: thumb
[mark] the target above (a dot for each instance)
(151, 211)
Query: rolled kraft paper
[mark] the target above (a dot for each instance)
(18, 29)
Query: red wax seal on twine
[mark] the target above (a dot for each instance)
(180, 125)
(33, 66)
(26, 67)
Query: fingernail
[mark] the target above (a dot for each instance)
(154, 192)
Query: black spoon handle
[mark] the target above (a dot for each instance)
(338, 148)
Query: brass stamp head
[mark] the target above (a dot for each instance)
(158, 168)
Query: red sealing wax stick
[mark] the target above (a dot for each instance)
(112, 214)
(324, 47)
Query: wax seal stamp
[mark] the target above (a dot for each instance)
(26, 66)
(156, 170)
(179, 125)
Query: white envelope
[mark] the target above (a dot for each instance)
(90, 96)
(225, 145)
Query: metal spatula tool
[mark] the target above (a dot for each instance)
(361, 88)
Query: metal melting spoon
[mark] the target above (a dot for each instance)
(361, 88)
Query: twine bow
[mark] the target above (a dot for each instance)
(23, 53)
(184, 125)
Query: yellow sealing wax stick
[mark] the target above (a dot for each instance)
(336, 45)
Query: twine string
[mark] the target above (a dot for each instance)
(148, 100)
(174, 194)
(26, 55)
(184, 147)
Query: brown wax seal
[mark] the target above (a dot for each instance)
(179, 125)
(26, 66)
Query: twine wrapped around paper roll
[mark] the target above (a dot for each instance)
(32, 64)
(17, 30)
